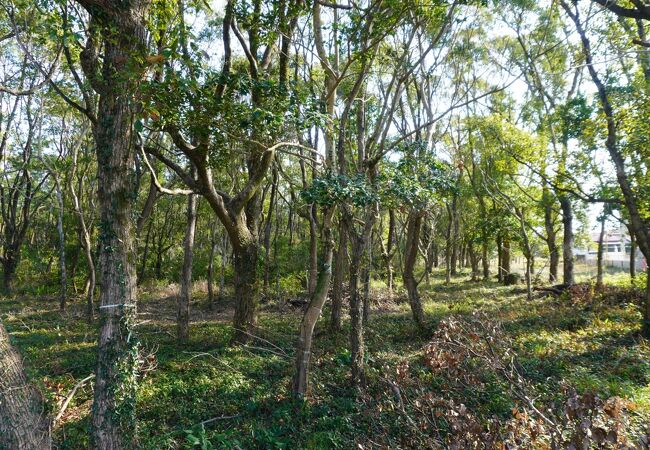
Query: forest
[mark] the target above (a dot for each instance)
(324, 224)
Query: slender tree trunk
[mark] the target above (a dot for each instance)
(499, 259)
(632, 256)
(222, 275)
(267, 229)
(486, 261)
(24, 424)
(366, 273)
(300, 384)
(567, 240)
(152, 196)
(61, 233)
(413, 226)
(145, 254)
(337, 285)
(505, 257)
(448, 269)
(549, 226)
(313, 251)
(183, 306)
(454, 237)
(601, 247)
(210, 280)
(474, 259)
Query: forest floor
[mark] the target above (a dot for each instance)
(208, 394)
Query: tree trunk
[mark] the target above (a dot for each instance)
(448, 269)
(339, 271)
(246, 290)
(413, 226)
(473, 258)
(61, 233)
(486, 261)
(210, 276)
(505, 257)
(267, 229)
(499, 259)
(549, 226)
(632, 256)
(9, 264)
(23, 421)
(124, 34)
(567, 240)
(183, 306)
(357, 346)
(300, 384)
(145, 254)
(313, 251)
(453, 258)
(601, 247)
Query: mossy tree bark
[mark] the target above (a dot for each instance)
(119, 28)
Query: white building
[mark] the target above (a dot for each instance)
(616, 251)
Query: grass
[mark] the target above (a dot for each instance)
(243, 391)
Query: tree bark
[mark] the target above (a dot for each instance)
(24, 424)
(567, 240)
(61, 233)
(183, 306)
(486, 261)
(123, 29)
(313, 251)
(601, 247)
(505, 257)
(413, 227)
(300, 384)
(246, 290)
(337, 285)
(632, 256)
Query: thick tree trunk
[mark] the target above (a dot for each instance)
(300, 384)
(183, 306)
(9, 265)
(24, 424)
(246, 290)
(357, 345)
(337, 285)
(567, 240)
(124, 42)
(413, 227)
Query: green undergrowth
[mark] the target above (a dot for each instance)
(208, 394)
